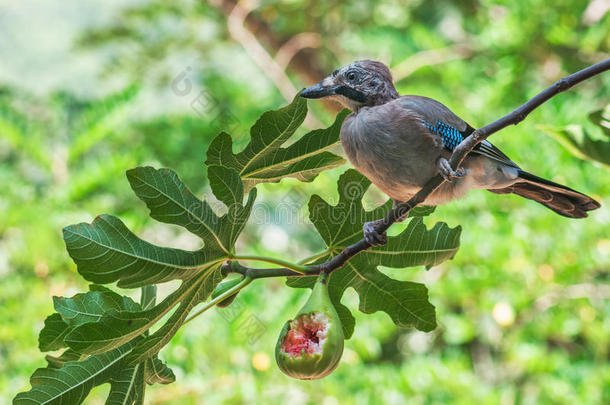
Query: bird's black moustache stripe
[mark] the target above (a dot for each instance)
(352, 94)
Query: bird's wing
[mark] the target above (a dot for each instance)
(441, 121)
(432, 111)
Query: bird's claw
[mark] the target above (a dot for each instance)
(371, 235)
(447, 171)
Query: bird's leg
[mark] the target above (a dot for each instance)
(447, 172)
(371, 235)
(375, 238)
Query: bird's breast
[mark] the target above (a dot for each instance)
(394, 151)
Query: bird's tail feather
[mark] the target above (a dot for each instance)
(561, 199)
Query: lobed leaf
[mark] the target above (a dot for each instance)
(80, 309)
(101, 322)
(116, 328)
(128, 386)
(75, 373)
(341, 225)
(91, 306)
(71, 383)
(107, 251)
(152, 344)
(264, 159)
(52, 335)
(170, 201)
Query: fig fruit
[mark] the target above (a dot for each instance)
(310, 346)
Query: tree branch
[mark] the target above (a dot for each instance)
(458, 155)
(294, 45)
(306, 64)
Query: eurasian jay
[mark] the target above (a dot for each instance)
(401, 142)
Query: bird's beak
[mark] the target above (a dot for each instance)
(319, 91)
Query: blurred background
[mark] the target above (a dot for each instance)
(91, 89)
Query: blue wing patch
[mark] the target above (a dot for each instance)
(451, 137)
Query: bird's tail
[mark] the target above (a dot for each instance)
(561, 199)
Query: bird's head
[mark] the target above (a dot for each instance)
(361, 83)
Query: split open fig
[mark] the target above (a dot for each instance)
(310, 345)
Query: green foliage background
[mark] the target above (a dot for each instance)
(65, 144)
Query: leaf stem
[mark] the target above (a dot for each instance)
(299, 268)
(236, 288)
(235, 267)
(314, 257)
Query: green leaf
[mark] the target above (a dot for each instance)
(157, 372)
(107, 251)
(66, 356)
(226, 184)
(78, 310)
(148, 297)
(91, 306)
(128, 386)
(72, 383)
(264, 159)
(52, 335)
(115, 328)
(170, 201)
(152, 344)
(127, 381)
(580, 143)
(341, 225)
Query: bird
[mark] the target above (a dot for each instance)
(401, 142)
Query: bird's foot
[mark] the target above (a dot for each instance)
(447, 171)
(371, 235)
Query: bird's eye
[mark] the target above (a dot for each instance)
(351, 76)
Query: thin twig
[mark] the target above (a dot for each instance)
(294, 45)
(257, 52)
(458, 155)
(428, 58)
